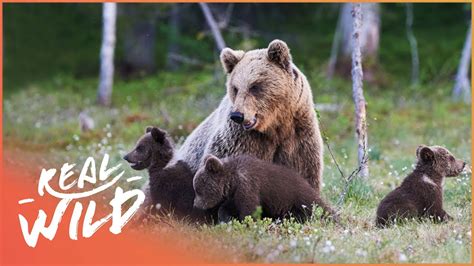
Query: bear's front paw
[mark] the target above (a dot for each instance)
(223, 216)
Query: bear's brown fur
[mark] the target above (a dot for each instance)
(277, 118)
(240, 184)
(170, 188)
(421, 192)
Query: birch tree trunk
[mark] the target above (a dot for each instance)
(213, 25)
(357, 91)
(369, 33)
(415, 62)
(369, 37)
(462, 86)
(107, 54)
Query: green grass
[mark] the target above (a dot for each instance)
(44, 118)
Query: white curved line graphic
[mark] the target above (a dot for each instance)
(84, 194)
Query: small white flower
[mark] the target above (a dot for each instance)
(293, 243)
(402, 257)
(361, 253)
(158, 206)
(326, 249)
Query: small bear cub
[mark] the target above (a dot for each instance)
(171, 187)
(421, 192)
(238, 185)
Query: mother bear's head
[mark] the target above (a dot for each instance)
(263, 85)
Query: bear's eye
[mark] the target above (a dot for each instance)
(256, 88)
(140, 148)
(235, 90)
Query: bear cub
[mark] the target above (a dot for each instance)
(171, 187)
(238, 185)
(421, 192)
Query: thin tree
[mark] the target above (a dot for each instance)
(107, 54)
(462, 85)
(357, 91)
(213, 25)
(415, 62)
(369, 36)
(139, 38)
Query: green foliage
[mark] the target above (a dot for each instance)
(67, 38)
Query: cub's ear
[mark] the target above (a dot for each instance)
(279, 53)
(230, 58)
(148, 129)
(158, 135)
(213, 164)
(425, 153)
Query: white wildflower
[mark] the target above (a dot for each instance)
(361, 253)
(293, 243)
(328, 247)
(402, 257)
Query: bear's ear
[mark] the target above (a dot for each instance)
(213, 164)
(148, 129)
(279, 53)
(425, 153)
(158, 135)
(230, 58)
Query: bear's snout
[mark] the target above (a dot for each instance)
(127, 158)
(237, 117)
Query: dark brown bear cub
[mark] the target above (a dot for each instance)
(240, 184)
(421, 192)
(171, 187)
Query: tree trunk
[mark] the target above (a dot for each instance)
(173, 49)
(369, 31)
(340, 60)
(107, 54)
(415, 62)
(462, 86)
(213, 25)
(357, 91)
(139, 41)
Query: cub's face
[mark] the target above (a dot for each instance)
(260, 84)
(208, 184)
(147, 146)
(440, 159)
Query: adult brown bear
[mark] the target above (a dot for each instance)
(267, 112)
